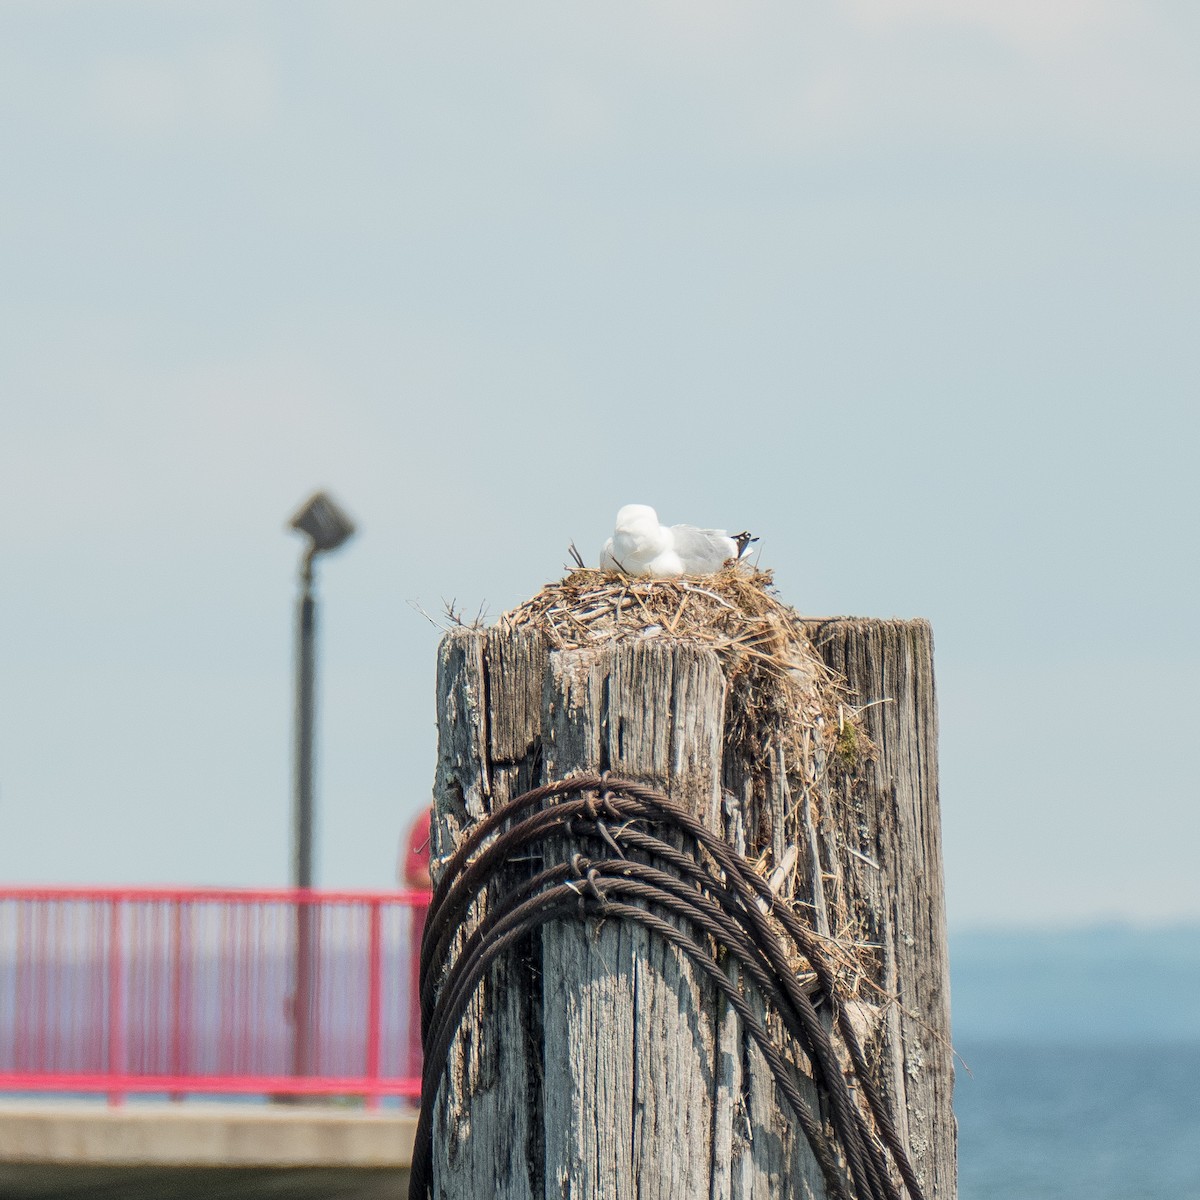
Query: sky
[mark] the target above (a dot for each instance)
(907, 287)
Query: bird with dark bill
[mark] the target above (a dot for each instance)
(640, 545)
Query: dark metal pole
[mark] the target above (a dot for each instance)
(327, 528)
(306, 634)
(302, 830)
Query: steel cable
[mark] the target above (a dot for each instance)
(803, 1022)
(457, 899)
(565, 902)
(714, 890)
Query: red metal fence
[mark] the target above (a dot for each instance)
(166, 990)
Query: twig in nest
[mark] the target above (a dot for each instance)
(432, 620)
(687, 587)
(455, 617)
(779, 876)
(869, 861)
(574, 553)
(650, 618)
(675, 619)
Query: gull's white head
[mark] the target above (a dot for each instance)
(638, 535)
(637, 518)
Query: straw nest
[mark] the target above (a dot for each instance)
(781, 695)
(789, 720)
(790, 724)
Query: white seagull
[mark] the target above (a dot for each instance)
(641, 546)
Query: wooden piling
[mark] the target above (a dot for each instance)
(593, 1063)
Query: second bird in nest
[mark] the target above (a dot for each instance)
(641, 546)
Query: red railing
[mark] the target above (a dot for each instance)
(176, 991)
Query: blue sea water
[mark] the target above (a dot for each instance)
(1096, 1121)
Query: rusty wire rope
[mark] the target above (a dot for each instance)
(705, 900)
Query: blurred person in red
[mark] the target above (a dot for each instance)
(414, 874)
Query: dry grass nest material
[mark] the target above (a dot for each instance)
(788, 716)
(783, 699)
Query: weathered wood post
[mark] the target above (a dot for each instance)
(594, 1063)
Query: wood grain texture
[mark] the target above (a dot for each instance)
(629, 1040)
(893, 819)
(487, 1125)
(593, 1064)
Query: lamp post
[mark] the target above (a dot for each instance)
(325, 525)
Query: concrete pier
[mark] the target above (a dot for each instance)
(178, 1151)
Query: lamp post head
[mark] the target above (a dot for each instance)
(323, 523)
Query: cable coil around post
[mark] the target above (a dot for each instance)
(705, 901)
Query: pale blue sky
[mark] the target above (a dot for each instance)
(909, 287)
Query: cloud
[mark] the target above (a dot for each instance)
(761, 81)
(1097, 78)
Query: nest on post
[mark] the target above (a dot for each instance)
(789, 718)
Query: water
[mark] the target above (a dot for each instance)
(1083, 1122)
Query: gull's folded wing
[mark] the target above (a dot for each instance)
(703, 551)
